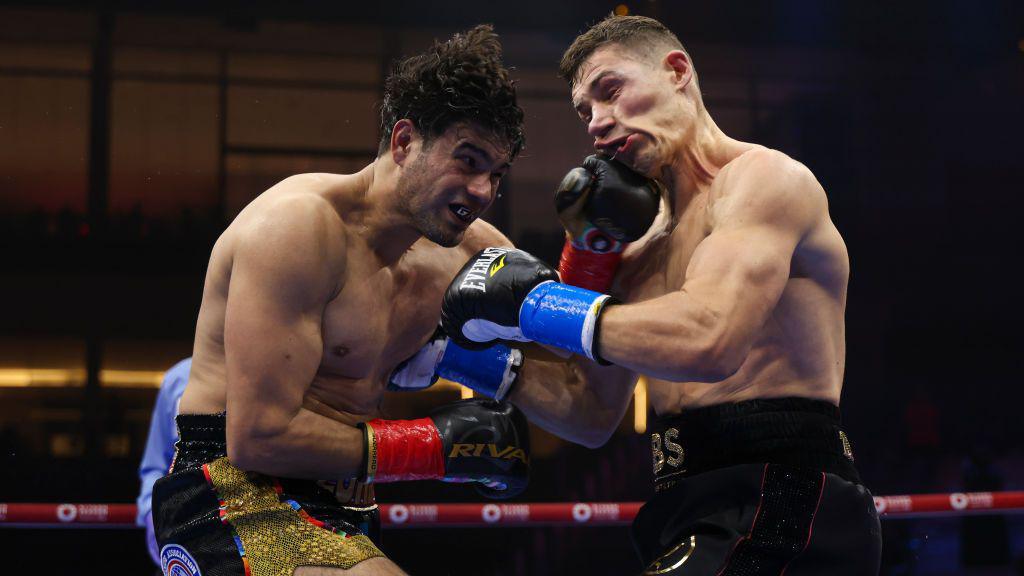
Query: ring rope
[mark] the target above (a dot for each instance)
(532, 514)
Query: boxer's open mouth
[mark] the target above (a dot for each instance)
(462, 212)
(612, 147)
(625, 146)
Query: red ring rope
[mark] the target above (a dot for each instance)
(533, 514)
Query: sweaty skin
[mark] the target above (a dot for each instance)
(738, 290)
(322, 285)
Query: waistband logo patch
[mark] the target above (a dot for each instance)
(176, 561)
(847, 449)
(676, 454)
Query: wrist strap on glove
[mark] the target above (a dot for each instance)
(564, 316)
(402, 450)
(490, 372)
(583, 267)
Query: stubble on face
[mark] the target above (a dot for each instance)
(641, 109)
(414, 194)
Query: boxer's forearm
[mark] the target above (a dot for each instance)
(311, 446)
(675, 337)
(582, 404)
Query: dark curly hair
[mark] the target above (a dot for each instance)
(462, 79)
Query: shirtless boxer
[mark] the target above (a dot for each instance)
(314, 294)
(732, 305)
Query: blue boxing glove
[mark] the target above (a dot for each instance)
(503, 294)
(491, 371)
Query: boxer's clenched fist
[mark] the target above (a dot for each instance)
(482, 303)
(506, 294)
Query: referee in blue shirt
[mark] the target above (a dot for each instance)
(160, 446)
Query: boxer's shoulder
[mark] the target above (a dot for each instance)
(482, 234)
(299, 218)
(766, 184)
(299, 236)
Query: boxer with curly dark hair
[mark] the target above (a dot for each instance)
(322, 293)
(460, 80)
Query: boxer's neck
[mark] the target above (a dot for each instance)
(703, 150)
(380, 221)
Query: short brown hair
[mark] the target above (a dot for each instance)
(640, 34)
(462, 79)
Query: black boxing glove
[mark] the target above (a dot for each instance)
(603, 205)
(481, 305)
(507, 294)
(607, 195)
(474, 440)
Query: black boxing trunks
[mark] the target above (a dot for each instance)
(216, 520)
(757, 488)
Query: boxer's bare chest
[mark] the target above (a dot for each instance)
(380, 317)
(656, 264)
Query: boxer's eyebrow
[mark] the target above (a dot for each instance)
(592, 87)
(484, 154)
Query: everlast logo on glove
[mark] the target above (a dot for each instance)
(497, 266)
(482, 304)
(508, 452)
(476, 275)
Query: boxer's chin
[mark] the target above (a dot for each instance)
(644, 163)
(439, 232)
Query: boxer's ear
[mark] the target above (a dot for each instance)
(403, 136)
(678, 62)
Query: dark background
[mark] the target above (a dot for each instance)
(131, 133)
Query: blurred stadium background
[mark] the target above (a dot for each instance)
(131, 133)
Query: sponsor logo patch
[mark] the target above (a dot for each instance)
(176, 561)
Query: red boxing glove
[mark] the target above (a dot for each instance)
(474, 440)
(603, 205)
(584, 266)
(403, 450)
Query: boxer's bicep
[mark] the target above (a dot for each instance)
(734, 278)
(737, 274)
(576, 400)
(281, 280)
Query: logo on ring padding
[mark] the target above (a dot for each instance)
(176, 561)
(398, 513)
(582, 512)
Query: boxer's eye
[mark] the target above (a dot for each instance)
(469, 161)
(608, 88)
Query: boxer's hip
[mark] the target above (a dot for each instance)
(797, 432)
(757, 487)
(227, 521)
